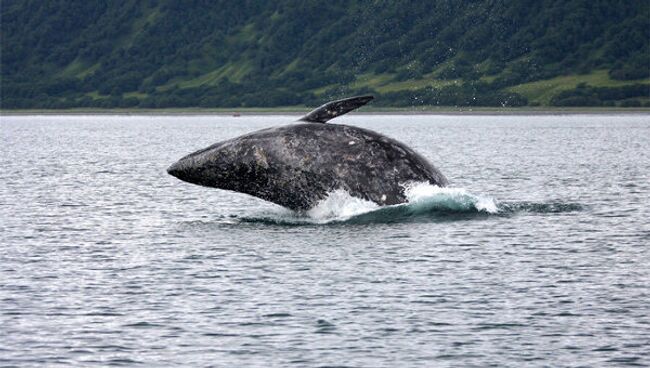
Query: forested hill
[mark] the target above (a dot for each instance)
(182, 53)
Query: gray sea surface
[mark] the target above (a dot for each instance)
(538, 255)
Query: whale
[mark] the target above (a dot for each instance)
(299, 164)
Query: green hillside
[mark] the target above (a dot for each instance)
(251, 53)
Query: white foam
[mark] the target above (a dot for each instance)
(432, 196)
(339, 205)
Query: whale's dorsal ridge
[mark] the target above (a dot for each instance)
(336, 108)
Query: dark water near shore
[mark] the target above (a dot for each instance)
(538, 255)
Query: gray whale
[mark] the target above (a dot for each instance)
(297, 165)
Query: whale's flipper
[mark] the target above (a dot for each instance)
(335, 108)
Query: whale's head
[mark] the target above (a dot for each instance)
(232, 165)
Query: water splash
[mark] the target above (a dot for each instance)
(339, 205)
(423, 201)
(431, 197)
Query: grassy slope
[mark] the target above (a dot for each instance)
(542, 91)
(538, 92)
(234, 71)
(385, 82)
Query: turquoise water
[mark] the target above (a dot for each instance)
(536, 255)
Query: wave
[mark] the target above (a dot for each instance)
(425, 202)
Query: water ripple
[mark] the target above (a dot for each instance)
(542, 260)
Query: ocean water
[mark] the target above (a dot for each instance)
(537, 254)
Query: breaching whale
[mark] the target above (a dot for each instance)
(297, 165)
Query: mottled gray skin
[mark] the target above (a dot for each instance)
(296, 165)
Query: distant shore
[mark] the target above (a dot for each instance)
(298, 110)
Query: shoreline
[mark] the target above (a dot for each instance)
(295, 110)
